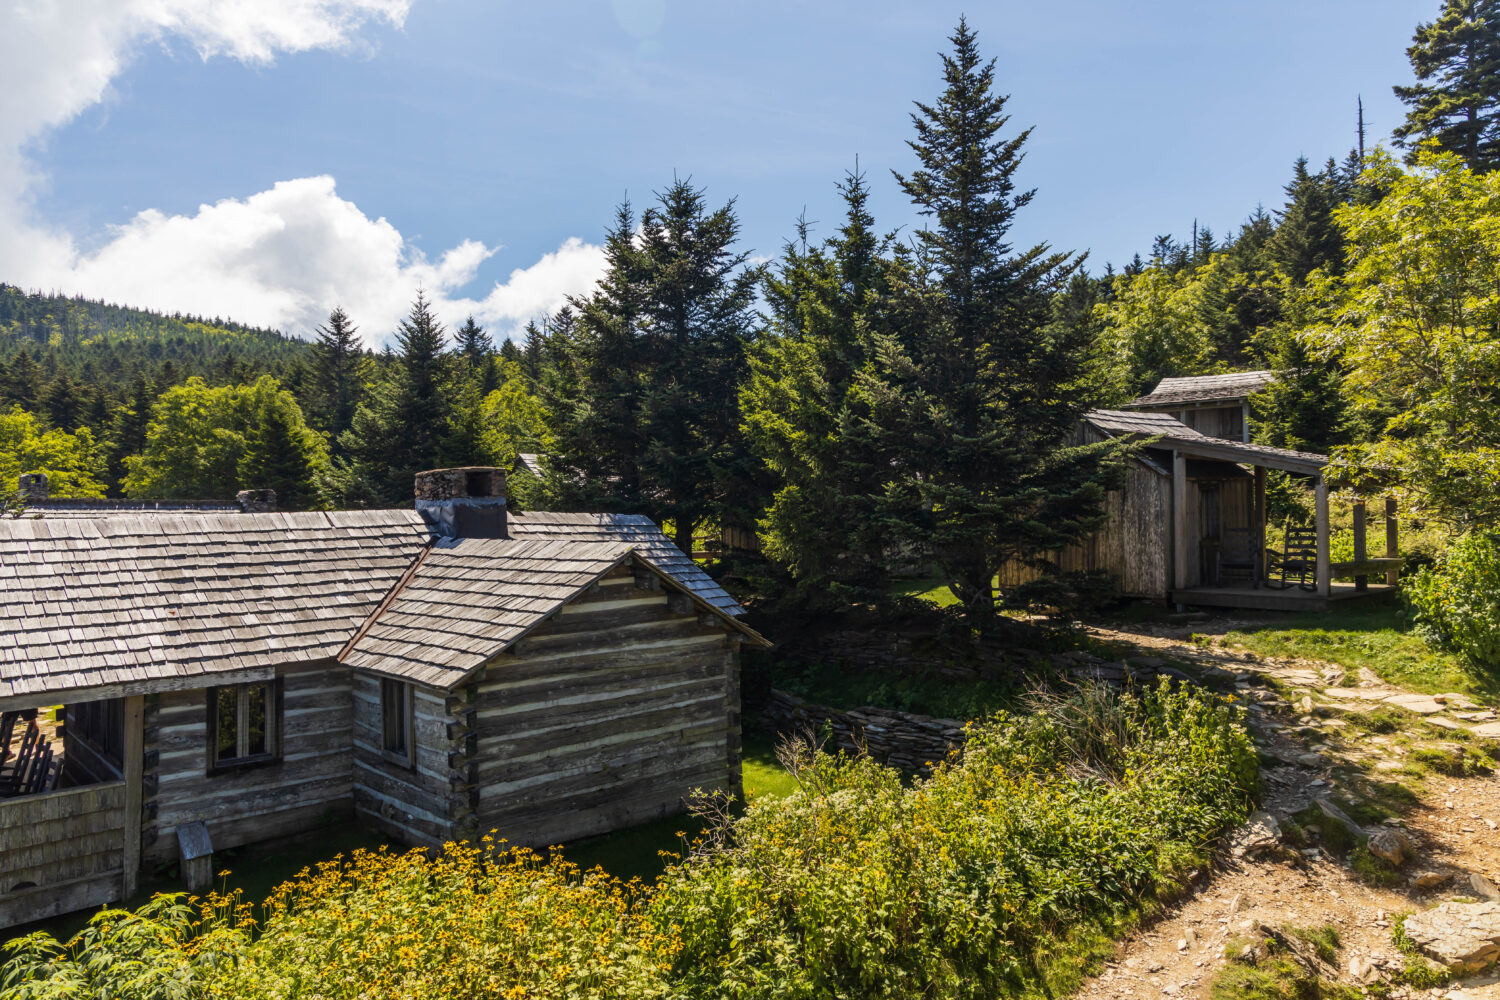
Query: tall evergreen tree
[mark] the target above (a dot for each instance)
(1307, 238)
(25, 382)
(471, 341)
(128, 427)
(801, 413)
(645, 396)
(1456, 99)
(982, 391)
(335, 375)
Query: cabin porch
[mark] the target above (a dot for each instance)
(1220, 555)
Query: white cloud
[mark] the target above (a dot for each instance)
(282, 257)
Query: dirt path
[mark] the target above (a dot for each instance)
(1313, 729)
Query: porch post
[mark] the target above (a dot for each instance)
(1179, 521)
(1245, 421)
(1259, 521)
(1324, 584)
(1391, 528)
(135, 750)
(1361, 580)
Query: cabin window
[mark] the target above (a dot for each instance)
(395, 720)
(243, 724)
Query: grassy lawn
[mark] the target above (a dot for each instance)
(1377, 638)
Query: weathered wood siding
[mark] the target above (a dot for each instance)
(608, 716)
(413, 805)
(310, 783)
(1236, 504)
(60, 851)
(1134, 545)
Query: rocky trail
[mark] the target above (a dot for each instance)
(1354, 770)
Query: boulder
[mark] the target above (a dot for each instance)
(1390, 844)
(1260, 833)
(1484, 888)
(1463, 936)
(1429, 880)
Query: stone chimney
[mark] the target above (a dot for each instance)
(34, 487)
(256, 501)
(463, 503)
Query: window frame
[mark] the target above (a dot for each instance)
(406, 715)
(272, 753)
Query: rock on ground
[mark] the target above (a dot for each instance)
(1460, 935)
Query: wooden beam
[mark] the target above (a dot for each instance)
(1324, 560)
(135, 754)
(1245, 421)
(1179, 521)
(1260, 522)
(1361, 582)
(1391, 531)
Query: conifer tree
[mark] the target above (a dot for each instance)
(800, 412)
(472, 342)
(335, 374)
(25, 383)
(1307, 238)
(982, 389)
(128, 426)
(1456, 99)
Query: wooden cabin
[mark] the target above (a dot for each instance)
(1188, 499)
(1213, 405)
(225, 678)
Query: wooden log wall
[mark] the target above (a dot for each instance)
(60, 851)
(310, 783)
(414, 805)
(606, 717)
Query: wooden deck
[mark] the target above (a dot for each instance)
(1271, 599)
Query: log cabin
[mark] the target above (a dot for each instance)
(1188, 525)
(202, 680)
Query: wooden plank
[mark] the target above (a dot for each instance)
(1361, 580)
(54, 900)
(1179, 521)
(1391, 533)
(1320, 494)
(1260, 519)
(134, 755)
(59, 805)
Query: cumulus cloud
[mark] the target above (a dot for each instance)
(279, 258)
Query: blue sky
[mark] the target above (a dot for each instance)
(488, 135)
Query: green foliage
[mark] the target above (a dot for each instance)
(1415, 322)
(1049, 821)
(1050, 825)
(978, 391)
(208, 442)
(642, 385)
(336, 387)
(74, 463)
(1373, 870)
(1456, 102)
(512, 419)
(1457, 602)
(1162, 323)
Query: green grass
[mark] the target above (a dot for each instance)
(1375, 637)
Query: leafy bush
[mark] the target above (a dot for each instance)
(1051, 825)
(1457, 603)
(1074, 813)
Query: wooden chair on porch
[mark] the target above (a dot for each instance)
(1299, 557)
(1239, 554)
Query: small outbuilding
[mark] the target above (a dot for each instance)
(1213, 405)
(1189, 524)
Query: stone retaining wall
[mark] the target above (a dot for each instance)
(901, 740)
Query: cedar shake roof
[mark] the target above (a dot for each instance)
(1179, 436)
(642, 533)
(1204, 389)
(469, 599)
(128, 599)
(134, 602)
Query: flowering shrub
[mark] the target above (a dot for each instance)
(856, 885)
(1457, 602)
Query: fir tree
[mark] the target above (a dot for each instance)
(1456, 99)
(127, 434)
(64, 402)
(980, 392)
(471, 341)
(1307, 238)
(335, 375)
(25, 380)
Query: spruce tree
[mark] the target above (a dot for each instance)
(1456, 99)
(802, 418)
(127, 435)
(25, 380)
(980, 392)
(335, 374)
(471, 341)
(1307, 238)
